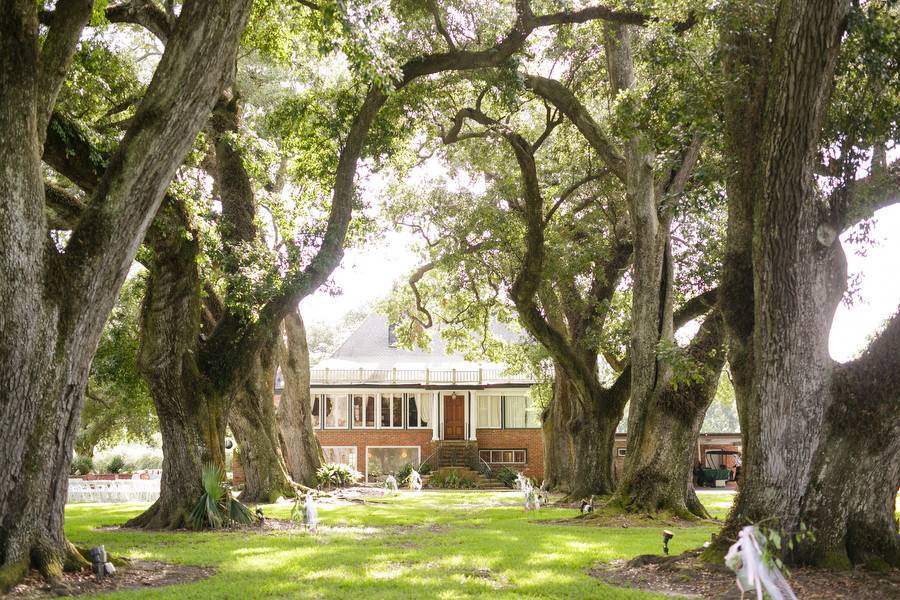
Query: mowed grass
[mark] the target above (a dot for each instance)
(434, 545)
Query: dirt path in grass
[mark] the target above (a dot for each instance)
(137, 574)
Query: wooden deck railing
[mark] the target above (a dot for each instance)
(418, 376)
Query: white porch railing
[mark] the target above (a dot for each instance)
(120, 490)
(414, 376)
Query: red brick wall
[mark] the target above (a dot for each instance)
(515, 439)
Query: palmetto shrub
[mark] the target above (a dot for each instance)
(337, 475)
(216, 508)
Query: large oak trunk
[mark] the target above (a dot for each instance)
(191, 411)
(252, 420)
(820, 439)
(660, 473)
(559, 447)
(299, 445)
(55, 302)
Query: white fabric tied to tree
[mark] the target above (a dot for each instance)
(745, 558)
(390, 484)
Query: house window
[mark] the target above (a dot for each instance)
(315, 414)
(489, 411)
(336, 411)
(620, 451)
(392, 411)
(418, 410)
(510, 457)
(519, 412)
(382, 461)
(364, 411)
(340, 455)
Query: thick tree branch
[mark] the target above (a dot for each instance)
(70, 17)
(232, 180)
(560, 96)
(871, 383)
(145, 13)
(187, 81)
(695, 307)
(63, 208)
(862, 198)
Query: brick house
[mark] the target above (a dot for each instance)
(377, 407)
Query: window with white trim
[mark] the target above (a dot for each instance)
(314, 413)
(340, 455)
(519, 412)
(382, 461)
(509, 457)
(336, 411)
(418, 410)
(489, 411)
(620, 451)
(364, 407)
(391, 411)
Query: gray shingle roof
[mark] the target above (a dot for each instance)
(368, 348)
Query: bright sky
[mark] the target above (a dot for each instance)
(366, 275)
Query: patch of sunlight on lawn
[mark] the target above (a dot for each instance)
(452, 545)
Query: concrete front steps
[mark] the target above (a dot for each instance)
(481, 482)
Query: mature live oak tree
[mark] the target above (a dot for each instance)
(56, 297)
(821, 439)
(213, 366)
(564, 319)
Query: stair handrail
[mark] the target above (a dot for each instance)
(481, 466)
(434, 467)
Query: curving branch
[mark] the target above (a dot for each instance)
(860, 199)
(65, 26)
(145, 13)
(439, 24)
(568, 104)
(695, 307)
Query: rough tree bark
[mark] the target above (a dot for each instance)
(660, 476)
(559, 451)
(810, 454)
(56, 300)
(191, 412)
(299, 445)
(252, 419)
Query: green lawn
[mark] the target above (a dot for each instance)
(437, 545)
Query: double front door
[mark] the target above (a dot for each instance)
(454, 417)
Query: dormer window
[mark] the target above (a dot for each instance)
(392, 335)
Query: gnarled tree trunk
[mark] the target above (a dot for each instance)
(252, 419)
(299, 445)
(559, 447)
(191, 411)
(811, 456)
(660, 474)
(55, 302)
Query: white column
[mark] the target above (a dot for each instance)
(466, 432)
(473, 415)
(435, 416)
